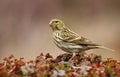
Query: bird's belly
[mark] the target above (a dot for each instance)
(68, 47)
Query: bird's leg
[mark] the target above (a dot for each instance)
(73, 55)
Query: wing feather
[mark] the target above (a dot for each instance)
(72, 37)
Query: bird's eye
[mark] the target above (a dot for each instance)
(56, 21)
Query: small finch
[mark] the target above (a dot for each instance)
(69, 41)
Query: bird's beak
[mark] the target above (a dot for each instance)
(50, 23)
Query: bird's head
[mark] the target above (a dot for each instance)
(56, 24)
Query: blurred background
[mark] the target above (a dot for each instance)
(25, 32)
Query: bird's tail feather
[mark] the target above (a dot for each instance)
(103, 47)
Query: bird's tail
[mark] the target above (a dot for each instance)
(103, 47)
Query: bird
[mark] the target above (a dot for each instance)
(69, 41)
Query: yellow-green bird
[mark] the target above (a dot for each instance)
(68, 40)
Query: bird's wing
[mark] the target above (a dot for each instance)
(84, 42)
(72, 37)
(67, 35)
